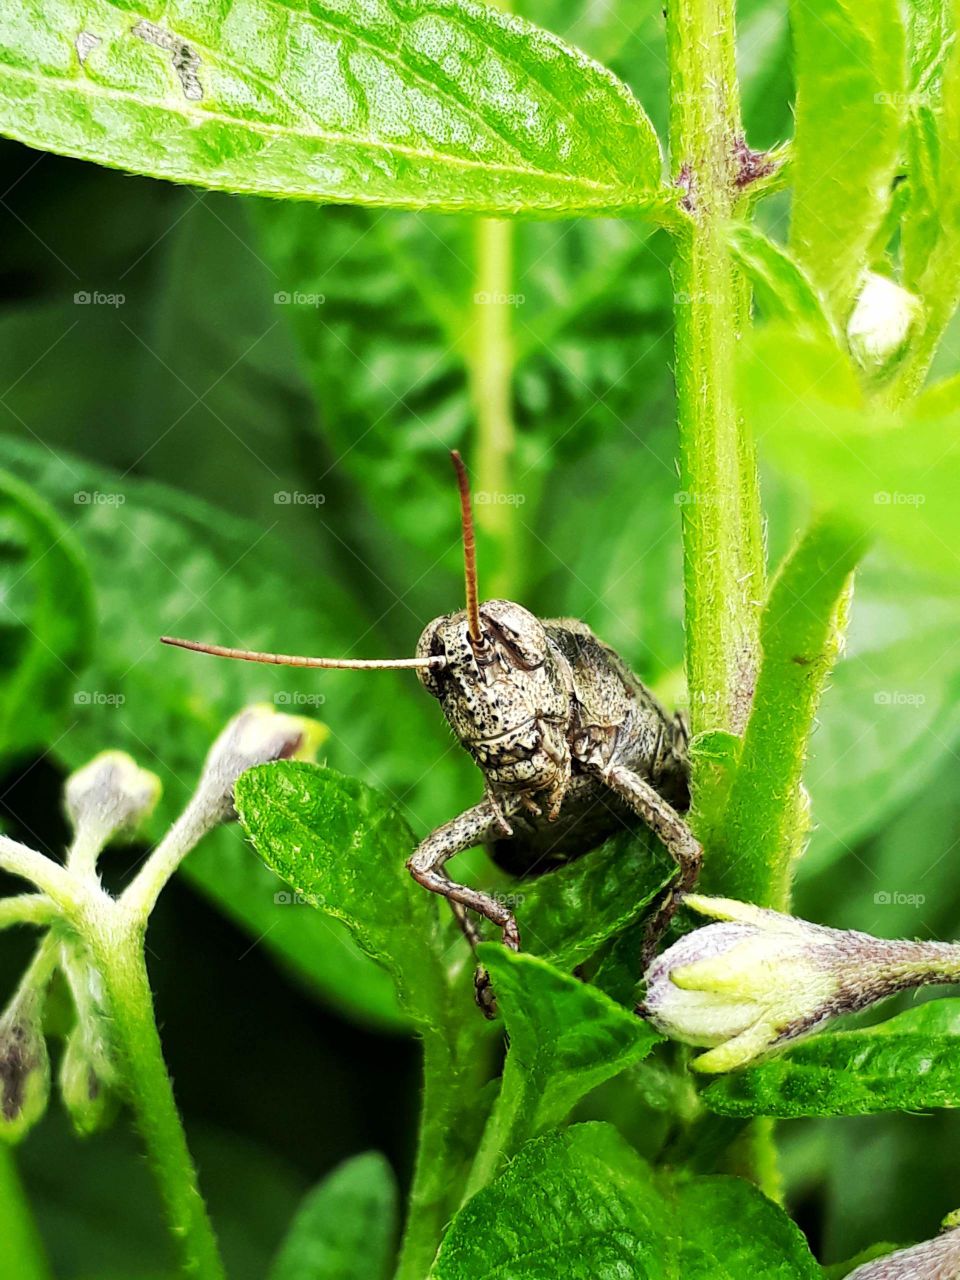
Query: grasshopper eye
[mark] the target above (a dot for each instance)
(518, 629)
(430, 646)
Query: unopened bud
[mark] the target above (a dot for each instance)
(85, 1086)
(746, 986)
(257, 735)
(884, 319)
(110, 796)
(937, 1259)
(24, 1065)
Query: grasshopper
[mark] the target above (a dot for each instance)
(572, 746)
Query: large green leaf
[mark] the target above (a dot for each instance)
(345, 1227)
(849, 63)
(46, 620)
(565, 1039)
(580, 1203)
(457, 106)
(908, 1063)
(338, 844)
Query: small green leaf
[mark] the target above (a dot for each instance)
(580, 1203)
(780, 285)
(457, 106)
(929, 38)
(727, 1230)
(339, 844)
(568, 913)
(46, 620)
(905, 1064)
(849, 60)
(565, 1039)
(344, 1228)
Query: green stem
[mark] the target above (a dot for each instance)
(490, 363)
(451, 1119)
(22, 1250)
(117, 945)
(764, 823)
(722, 530)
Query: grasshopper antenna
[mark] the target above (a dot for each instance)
(295, 660)
(469, 549)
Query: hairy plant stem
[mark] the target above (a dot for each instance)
(490, 363)
(764, 821)
(722, 529)
(115, 940)
(22, 1250)
(455, 1069)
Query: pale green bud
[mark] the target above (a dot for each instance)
(109, 797)
(85, 1088)
(884, 319)
(744, 987)
(258, 735)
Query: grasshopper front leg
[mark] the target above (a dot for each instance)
(476, 826)
(680, 842)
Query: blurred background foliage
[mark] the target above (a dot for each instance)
(146, 445)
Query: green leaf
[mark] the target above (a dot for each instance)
(908, 1063)
(929, 38)
(46, 621)
(897, 475)
(577, 1203)
(340, 845)
(567, 914)
(580, 1203)
(780, 285)
(456, 107)
(345, 1227)
(849, 61)
(728, 1230)
(566, 1038)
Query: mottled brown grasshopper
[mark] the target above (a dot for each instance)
(571, 744)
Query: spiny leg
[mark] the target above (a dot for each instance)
(476, 826)
(664, 821)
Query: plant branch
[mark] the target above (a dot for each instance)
(722, 530)
(490, 364)
(28, 908)
(48, 876)
(764, 822)
(116, 942)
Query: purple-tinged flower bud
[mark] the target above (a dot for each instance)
(24, 1064)
(258, 735)
(109, 797)
(744, 987)
(937, 1259)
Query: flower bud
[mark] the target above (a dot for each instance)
(24, 1065)
(746, 986)
(109, 796)
(86, 1089)
(937, 1259)
(257, 735)
(884, 319)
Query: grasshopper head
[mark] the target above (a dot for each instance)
(503, 696)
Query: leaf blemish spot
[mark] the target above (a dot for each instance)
(186, 62)
(85, 43)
